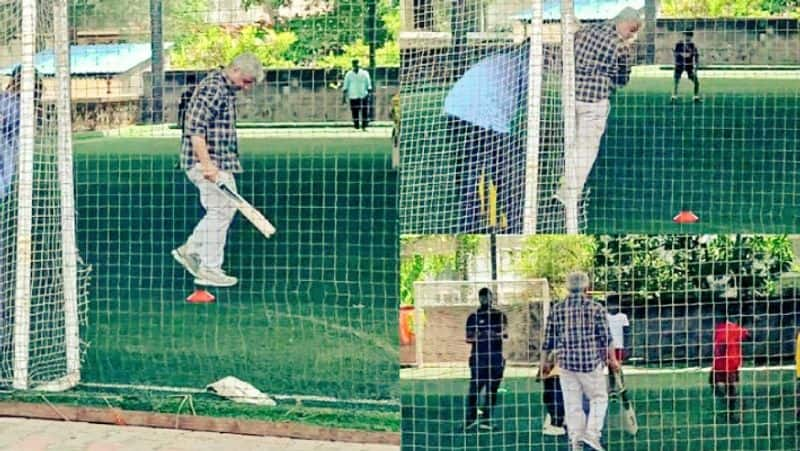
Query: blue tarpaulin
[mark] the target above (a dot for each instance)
(94, 59)
(584, 9)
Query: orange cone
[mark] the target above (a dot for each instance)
(200, 296)
(685, 217)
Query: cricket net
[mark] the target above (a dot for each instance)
(43, 283)
(682, 303)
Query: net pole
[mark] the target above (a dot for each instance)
(157, 62)
(370, 32)
(535, 67)
(493, 252)
(66, 183)
(22, 294)
(568, 105)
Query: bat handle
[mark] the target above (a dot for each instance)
(224, 187)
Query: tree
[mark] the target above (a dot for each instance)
(217, 46)
(554, 256)
(707, 267)
(730, 8)
(181, 17)
(340, 29)
(435, 263)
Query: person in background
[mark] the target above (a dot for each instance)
(486, 330)
(357, 88)
(687, 59)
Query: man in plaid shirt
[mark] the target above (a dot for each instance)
(577, 330)
(210, 155)
(602, 65)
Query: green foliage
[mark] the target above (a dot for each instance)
(730, 8)
(80, 10)
(344, 57)
(183, 17)
(274, 4)
(702, 266)
(431, 264)
(329, 39)
(554, 256)
(386, 56)
(217, 46)
(180, 17)
(333, 38)
(389, 54)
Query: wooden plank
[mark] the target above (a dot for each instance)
(121, 417)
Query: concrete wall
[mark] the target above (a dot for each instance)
(441, 342)
(290, 95)
(683, 335)
(662, 336)
(727, 41)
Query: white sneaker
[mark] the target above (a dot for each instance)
(215, 277)
(592, 443)
(546, 420)
(549, 429)
(190, 262)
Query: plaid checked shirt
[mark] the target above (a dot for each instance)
(578, 330)
(602, 62)
(212, 114)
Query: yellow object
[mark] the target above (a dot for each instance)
(492, 204)
(481, 188)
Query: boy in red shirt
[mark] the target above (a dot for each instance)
(724, 375)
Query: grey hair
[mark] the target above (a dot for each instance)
(250, 65)
(630, 15)
(577, 281)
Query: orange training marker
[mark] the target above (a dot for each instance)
(200, 296)
(685, 217)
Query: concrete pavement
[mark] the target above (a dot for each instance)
(18, 434)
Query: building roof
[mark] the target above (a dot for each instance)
(94, 59)
(584, 9)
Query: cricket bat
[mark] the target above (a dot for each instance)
(248, 211)
(629, 422)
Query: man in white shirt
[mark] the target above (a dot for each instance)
(617, 322)
(356, 89)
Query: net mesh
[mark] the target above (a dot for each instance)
(45, 353)
(442, 308)
(312, 313)
(722, 152)
(466, 123)
(679, 303)
(313, 316)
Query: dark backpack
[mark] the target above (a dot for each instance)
(186, 97)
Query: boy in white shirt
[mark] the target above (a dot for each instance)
(617, 322)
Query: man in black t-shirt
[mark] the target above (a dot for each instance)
(687, 59)
(486, 330)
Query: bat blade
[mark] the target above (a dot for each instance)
(255, 217)
(629, 422)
